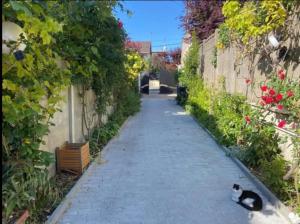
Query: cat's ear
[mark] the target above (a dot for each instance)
(236, 186)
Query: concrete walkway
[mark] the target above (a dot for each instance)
(163, 169)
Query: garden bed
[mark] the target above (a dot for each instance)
(285, 208)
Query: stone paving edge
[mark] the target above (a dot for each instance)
(280, 207)
(66, 202)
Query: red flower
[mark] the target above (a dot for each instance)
(278, 97)
(281, 124)
(248, 120)
(263, 88)
(290, 93)
(269, 100)
(272, 92)
(281, 76)
(248, 81)
(120, 24)
(279, 107)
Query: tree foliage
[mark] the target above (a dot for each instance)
(134, 65)
(170, 59)
(255, 19)
(202, 17)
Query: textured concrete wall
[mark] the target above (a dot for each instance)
(206, 55)
(186, 43)
(90, 118)
(61, 131)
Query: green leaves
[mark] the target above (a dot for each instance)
(134, 65)
(94, 50)
(272, 173)
(191, 63)
(25, 85)
(9, 85)
(79, 38)
(45, 37)
(251, 20)
(20, 6)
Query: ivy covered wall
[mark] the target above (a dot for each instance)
(69, 44)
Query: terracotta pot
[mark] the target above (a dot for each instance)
(23, 217)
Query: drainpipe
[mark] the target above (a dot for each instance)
(71, 114)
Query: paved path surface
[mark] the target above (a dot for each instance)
(163, 169)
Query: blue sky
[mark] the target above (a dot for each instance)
(155, 21)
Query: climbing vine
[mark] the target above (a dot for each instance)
(30, 97)
(214, 57)
(68, 42)
(248, 26)
(255, 20)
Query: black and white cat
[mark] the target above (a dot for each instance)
(248, 199)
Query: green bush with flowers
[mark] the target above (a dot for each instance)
(250, 131)
(85, 37)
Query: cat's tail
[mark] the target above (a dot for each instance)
(250, 208)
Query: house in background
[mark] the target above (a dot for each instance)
(143, 47)
(165, 71)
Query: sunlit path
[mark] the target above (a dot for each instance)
(163, 169)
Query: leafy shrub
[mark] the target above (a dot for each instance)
(261, 144)
(235, 123)
(272, 173)
(25, 185)
(223, 38)
(252, 20)
(88, 40)
(228, 110)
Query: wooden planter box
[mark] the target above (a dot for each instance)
(73, 157)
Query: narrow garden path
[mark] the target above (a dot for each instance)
(163, 169)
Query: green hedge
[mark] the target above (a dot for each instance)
(223, 114)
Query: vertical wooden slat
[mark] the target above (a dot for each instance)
(73, 157)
